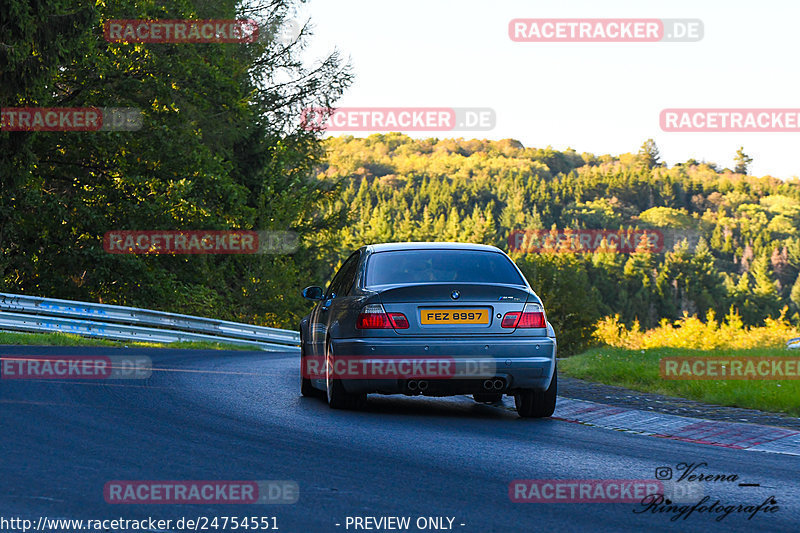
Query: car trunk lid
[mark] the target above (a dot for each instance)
(453, 309)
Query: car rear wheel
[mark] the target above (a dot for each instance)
(487, 397)
(535, 403)
(338, 398)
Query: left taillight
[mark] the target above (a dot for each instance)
(373, 316)
(532, 316)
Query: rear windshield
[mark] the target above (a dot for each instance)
(437, 266)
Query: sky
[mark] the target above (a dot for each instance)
(603, 98)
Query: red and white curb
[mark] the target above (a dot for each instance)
(712, 432)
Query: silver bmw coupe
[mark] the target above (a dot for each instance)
(433, 319)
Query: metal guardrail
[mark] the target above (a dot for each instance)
(793, 343)
(35, 314)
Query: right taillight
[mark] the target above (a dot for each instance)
(399, 320)
(532, 316)
(373, 316)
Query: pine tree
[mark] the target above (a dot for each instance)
(453, 229)
(640, 275)
(425, 231)
(742, 161)
(648, 156)
(795, 294)
(765, 298)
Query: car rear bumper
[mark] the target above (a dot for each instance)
(521, 362)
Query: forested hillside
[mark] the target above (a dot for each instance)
(396, 188)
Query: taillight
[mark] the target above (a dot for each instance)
(510, 319)
(399, 320)
(531, 317)
(374, 317)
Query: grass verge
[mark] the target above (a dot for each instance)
(639, 370)
(67, 339)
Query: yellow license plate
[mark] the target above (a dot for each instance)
(454, 316)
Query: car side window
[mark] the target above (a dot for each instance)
(343, 280)
(349, 276)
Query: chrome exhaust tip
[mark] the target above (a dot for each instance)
(412, 385)
(423, 385)
(499, 384)
(488, 384)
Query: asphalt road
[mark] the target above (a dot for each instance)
(210, 415)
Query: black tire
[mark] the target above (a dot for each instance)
(487, 397)
(306, 388)
(536, 403)
(338, 398)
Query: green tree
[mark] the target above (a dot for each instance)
(742, 161)
(765, 300)
(571, 303)
(640, 283)
(689, 282)
(36, 38)
(795, 294)
(220, 148)
(667, 217)
(649, 156)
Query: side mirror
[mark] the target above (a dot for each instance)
(313, 293)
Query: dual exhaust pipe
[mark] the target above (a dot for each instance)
(489, 385)
(420, 385)
(494, 384)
